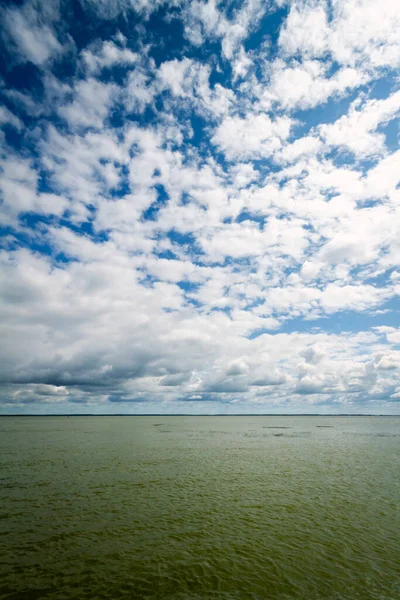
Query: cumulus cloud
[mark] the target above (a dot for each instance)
(357, 130)
(107, 55)
(305, 85)
(33, 37)
(357, 32)
(251, 137)
(19, 192)
(90, 104)
(208, 20)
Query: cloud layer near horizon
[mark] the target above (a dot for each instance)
(200, 206)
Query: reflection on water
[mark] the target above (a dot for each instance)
(281, 508)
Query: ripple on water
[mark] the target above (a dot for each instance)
(215, 509)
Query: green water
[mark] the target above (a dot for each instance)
(200, 507)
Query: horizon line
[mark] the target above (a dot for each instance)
(198, 415)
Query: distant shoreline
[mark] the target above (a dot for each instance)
(197, 415)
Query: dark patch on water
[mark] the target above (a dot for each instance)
(371, 434)
(296, 434)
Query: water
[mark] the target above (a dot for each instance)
(281, 508)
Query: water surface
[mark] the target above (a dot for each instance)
(285, 508)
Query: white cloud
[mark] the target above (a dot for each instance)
(205, 20)
(392, 334)
(19, 192)
(356, 130)
(241, 64)
(307, 84)
(107, 55)
(252, 136)
(8, 118)
(306, 30)
(110, 9)
(79, 319)
(173, 74)
(36, 41)
(358, 32)
(188, 80)
(80, 332)
(298, 149)
(80, 166)
(139, 93)
(91, 103)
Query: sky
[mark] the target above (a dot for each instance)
(200, 206)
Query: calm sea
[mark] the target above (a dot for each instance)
(281, 508)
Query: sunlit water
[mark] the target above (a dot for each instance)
(200, 507)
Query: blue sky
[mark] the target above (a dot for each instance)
(199, 206)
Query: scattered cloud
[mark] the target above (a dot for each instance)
(202, 214)
(29, 30)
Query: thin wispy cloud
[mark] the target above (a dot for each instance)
(200, 206)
